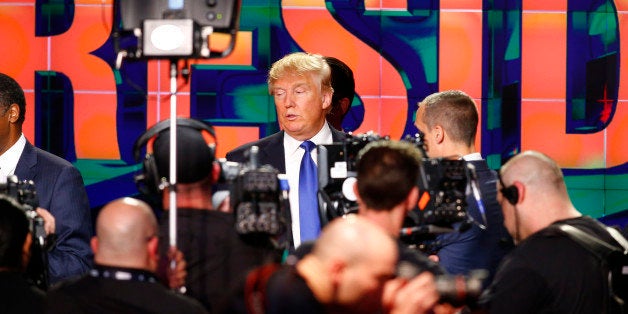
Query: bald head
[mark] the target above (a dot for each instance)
(349, 265)
(539, 172)
(353, 239)
(125, 229)
(541, 196)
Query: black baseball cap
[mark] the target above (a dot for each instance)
(194, 155)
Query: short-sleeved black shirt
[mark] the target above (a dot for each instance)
(550, 273)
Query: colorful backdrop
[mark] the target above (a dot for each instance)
(546, 75)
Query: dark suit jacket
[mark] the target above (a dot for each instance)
(477, 248)
(60, 190)
(271, 152)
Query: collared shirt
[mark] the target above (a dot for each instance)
(472, 157)
(293, 155)
(8, 160)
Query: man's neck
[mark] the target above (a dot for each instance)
(117, 262)
(456, 150)
(192, 203)
(552, 215)
(14, 136)
(316, 278)
(390, 220)
(192, 198)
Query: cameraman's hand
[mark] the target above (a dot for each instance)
(417, 295)
(176, 276)
(434, 258)
(49, 220)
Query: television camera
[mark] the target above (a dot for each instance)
(24, 193)
(258, 197)
(443, 183)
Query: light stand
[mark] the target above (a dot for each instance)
(172, 191)
(174, 30)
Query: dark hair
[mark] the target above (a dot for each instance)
(13, 231)
(455, 111)
(12, 93)
(386, 172)
(341, 80)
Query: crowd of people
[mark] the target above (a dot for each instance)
(352, 264)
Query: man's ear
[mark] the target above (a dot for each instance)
(13, 113)
(153, 246)
(345, 104)
(94, 244)
(326, 100)
(26, 249)
(215, 171)
(438, 133)
(336, 271)
(412, 198)
(355, 191)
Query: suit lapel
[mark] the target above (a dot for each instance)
(273, 152)
(25, 169)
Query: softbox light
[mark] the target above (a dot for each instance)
(173, 28)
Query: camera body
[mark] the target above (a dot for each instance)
(258, 196)
(457, 290)
(337, 173)
(25, 194)
(443, 187)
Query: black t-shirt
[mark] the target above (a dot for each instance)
(550, 273)
(287, 292)
(141, 293)
(17, 295)
(217, 257)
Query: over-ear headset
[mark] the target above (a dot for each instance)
(511, 193)
(149, 180)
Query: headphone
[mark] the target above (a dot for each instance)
(511, 193)
(149, 181)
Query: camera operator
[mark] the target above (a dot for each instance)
(17, 295)
(386, 190)
(123, 279)
(448, 123)
(216, 255)
(345, 272)
(547, 272)
(59, 186)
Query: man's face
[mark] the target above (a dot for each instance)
(5, 128)
(425, 131)
(362, 284)
(300, 105)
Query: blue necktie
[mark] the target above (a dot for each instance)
(310, 224)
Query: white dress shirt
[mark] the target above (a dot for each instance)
(472, 157)
(8, 160)
(293, 155)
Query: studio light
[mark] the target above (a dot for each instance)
(168, 38)
(173, 28)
